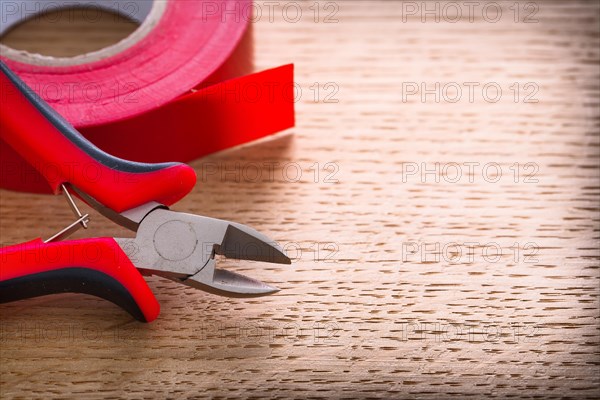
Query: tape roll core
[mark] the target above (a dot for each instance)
(147, 13)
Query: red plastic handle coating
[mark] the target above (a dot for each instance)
(99, 266)
(62, 155)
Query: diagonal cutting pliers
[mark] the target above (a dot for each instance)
(178, 246)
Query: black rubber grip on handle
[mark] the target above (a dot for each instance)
(70, 280)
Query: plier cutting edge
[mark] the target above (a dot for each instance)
(178, 246)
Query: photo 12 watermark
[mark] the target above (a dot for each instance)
(69, 11)
(41, 172)
(269, 332)
(483, 333)
(73, 92)
(468, 172)
(270, 172)
(469, 11)
(236, 91)
(469, 92)
(455, 252)
(293, 12)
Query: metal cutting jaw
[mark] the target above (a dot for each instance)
(184, 248)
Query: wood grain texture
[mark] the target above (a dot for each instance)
(360, 315)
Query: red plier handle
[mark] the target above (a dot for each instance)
(95, 266)
(62, 155)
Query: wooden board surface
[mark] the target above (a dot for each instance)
(404, 283)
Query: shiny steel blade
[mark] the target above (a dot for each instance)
(183, 246)
(244, 243)
(228, 283)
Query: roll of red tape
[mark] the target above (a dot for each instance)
(176, 92)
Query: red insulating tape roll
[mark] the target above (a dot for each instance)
(183, 91)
